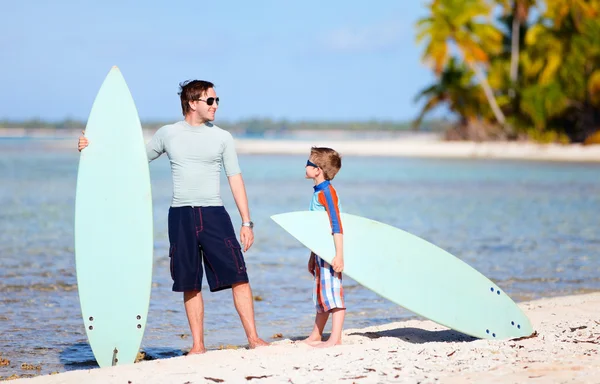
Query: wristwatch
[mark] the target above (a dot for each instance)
(248, 224)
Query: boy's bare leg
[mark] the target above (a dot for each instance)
(244, 304)
(316, 336)
(194, 308)
(337, 325)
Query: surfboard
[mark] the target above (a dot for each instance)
(113, 226)
(414, 274)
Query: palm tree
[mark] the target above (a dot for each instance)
(561, 62)
(459, 22)
(456, 89)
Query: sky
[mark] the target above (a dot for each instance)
(300, 61)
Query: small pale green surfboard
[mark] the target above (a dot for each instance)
(414, 274)
(113, 226)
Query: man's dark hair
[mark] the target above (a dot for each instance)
(191, 90)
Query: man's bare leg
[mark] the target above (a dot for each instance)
(244, 304)
(337, 325)
(316, 335)
(194, 308)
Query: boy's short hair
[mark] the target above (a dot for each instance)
(191, 90)
(328, 160)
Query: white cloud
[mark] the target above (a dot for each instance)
(375, 38)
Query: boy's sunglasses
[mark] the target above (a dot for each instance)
(210, 100)
(310, 163)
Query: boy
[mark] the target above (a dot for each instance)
(328, 295)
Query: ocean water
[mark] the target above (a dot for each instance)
(532, 227)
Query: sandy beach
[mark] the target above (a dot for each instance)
(429, 149)
(564, 350)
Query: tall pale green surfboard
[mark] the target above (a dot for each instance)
(113, 226)
(413, 273)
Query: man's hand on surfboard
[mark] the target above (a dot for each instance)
(83, 142)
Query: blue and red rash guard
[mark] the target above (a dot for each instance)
(325, 198)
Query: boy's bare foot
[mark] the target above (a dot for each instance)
(312, 340)
(255, 343)
(312, 343)
(327, 344)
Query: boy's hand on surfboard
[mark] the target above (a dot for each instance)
(311, 263)
(83, 142)
(338, 264)
(246, 237)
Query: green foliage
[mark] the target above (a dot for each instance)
(541, 102)
(547, 137)
(455, 88)
(556, 91)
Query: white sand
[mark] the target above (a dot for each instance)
(565, 350)
(377, 144)
(428, 148)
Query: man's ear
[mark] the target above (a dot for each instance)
(191, 104)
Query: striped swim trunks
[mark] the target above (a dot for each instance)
(328, 293)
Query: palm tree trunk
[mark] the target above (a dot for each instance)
(514, 51)
(489, 94)
(514, 55)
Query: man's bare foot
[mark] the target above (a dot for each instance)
(196, 351)
(255, 343)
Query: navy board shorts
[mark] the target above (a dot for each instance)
(206, 234)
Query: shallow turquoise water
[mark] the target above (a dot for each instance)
(531, 227)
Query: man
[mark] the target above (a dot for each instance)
(199, 226)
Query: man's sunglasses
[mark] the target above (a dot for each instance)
(210, 101)
(310, 163)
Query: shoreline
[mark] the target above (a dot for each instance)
(419, 145)
(429, 149)
(565, 349)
